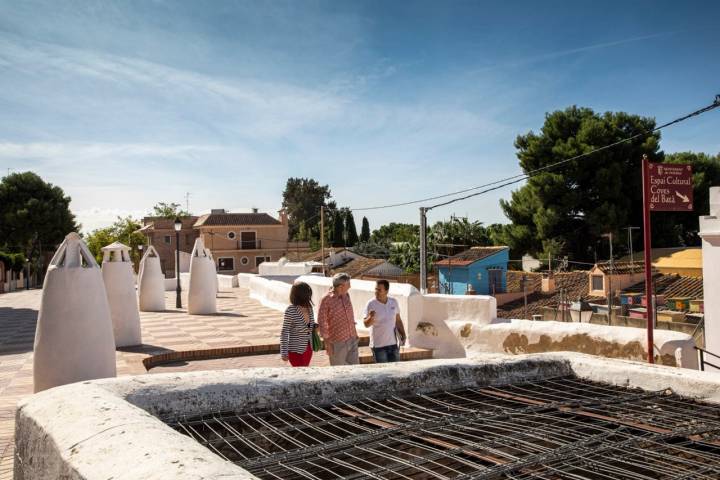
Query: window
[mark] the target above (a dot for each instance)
(168, 239)
(231, 235)
(226, 263)
(244, 260)
(259, 260)
(597, 282)
(247, 240)
(188, 239)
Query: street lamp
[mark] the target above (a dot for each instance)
(140, 249)
(27, 276)
(178, 226)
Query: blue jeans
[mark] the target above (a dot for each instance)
(391, 353)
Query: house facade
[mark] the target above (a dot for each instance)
(483, 268)
(160, 233)
(240, 242)
(604, 277)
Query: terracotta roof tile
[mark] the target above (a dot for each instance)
(672, 285)
(218, 219)
(357, 266)
(306, 256)
(622, 268)
(514, 281)
(573, 284)
(470, 256)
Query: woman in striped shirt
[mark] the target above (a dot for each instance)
(298, 324)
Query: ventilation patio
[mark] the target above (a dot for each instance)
(562, 428)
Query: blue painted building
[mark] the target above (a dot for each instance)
(484, 268)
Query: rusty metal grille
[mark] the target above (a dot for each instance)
(561, 428)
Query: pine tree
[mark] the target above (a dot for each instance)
(351, 235)
(365, 231)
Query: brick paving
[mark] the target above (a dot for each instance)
(240, 321)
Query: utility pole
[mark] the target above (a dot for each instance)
(632, 258)
(612, 270)
(187, 202)
(322, 237)
(423, 250)
(524, 285)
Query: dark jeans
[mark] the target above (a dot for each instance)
(391, 353)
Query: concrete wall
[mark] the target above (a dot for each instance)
(121, 415)
(524, 336)
(283, 268)
(225, 282)
(710, 233)
(424, 316)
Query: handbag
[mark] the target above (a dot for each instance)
(316, 343)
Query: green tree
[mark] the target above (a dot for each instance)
(337, 238)
(372, 249)
(124, 230)
(496, 233)
(673, 229)
(169, 210)
(406, 255)
(571, 206)
(365, 230)
(34, 215)
(395, 232)
(351, 235)
(302, 200)
(458, 235)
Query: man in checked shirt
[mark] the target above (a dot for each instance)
(337, 323)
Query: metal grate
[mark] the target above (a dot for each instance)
(561, 428)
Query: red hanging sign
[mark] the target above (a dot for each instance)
(671, 187)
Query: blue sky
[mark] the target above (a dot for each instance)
(125, 104)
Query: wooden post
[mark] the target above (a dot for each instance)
(647, 245)
(322, 237)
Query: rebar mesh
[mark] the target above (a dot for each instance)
(561, 428)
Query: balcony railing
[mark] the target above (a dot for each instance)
(249, 244)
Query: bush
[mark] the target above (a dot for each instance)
(18, 262)
(6, 259)
(13, 261)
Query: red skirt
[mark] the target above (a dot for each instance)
(301, 359)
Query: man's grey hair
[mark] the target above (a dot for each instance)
(340, 278)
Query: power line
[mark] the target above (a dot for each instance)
(521, 177)
(524, 176)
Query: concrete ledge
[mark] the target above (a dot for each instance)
(111, 429)
(525, 336)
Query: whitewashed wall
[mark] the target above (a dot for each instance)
(526, 336)
(424, 317)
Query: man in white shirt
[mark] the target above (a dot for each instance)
(382, 316)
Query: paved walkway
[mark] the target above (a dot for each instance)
(240, 321)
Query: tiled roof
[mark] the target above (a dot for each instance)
(672, 285)
(514, 281)
(219, 219)
(675, 257)
(162, 223)
(573, 285)
(357, 266)
(470, 256)
(305, 256)
(622, 268)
